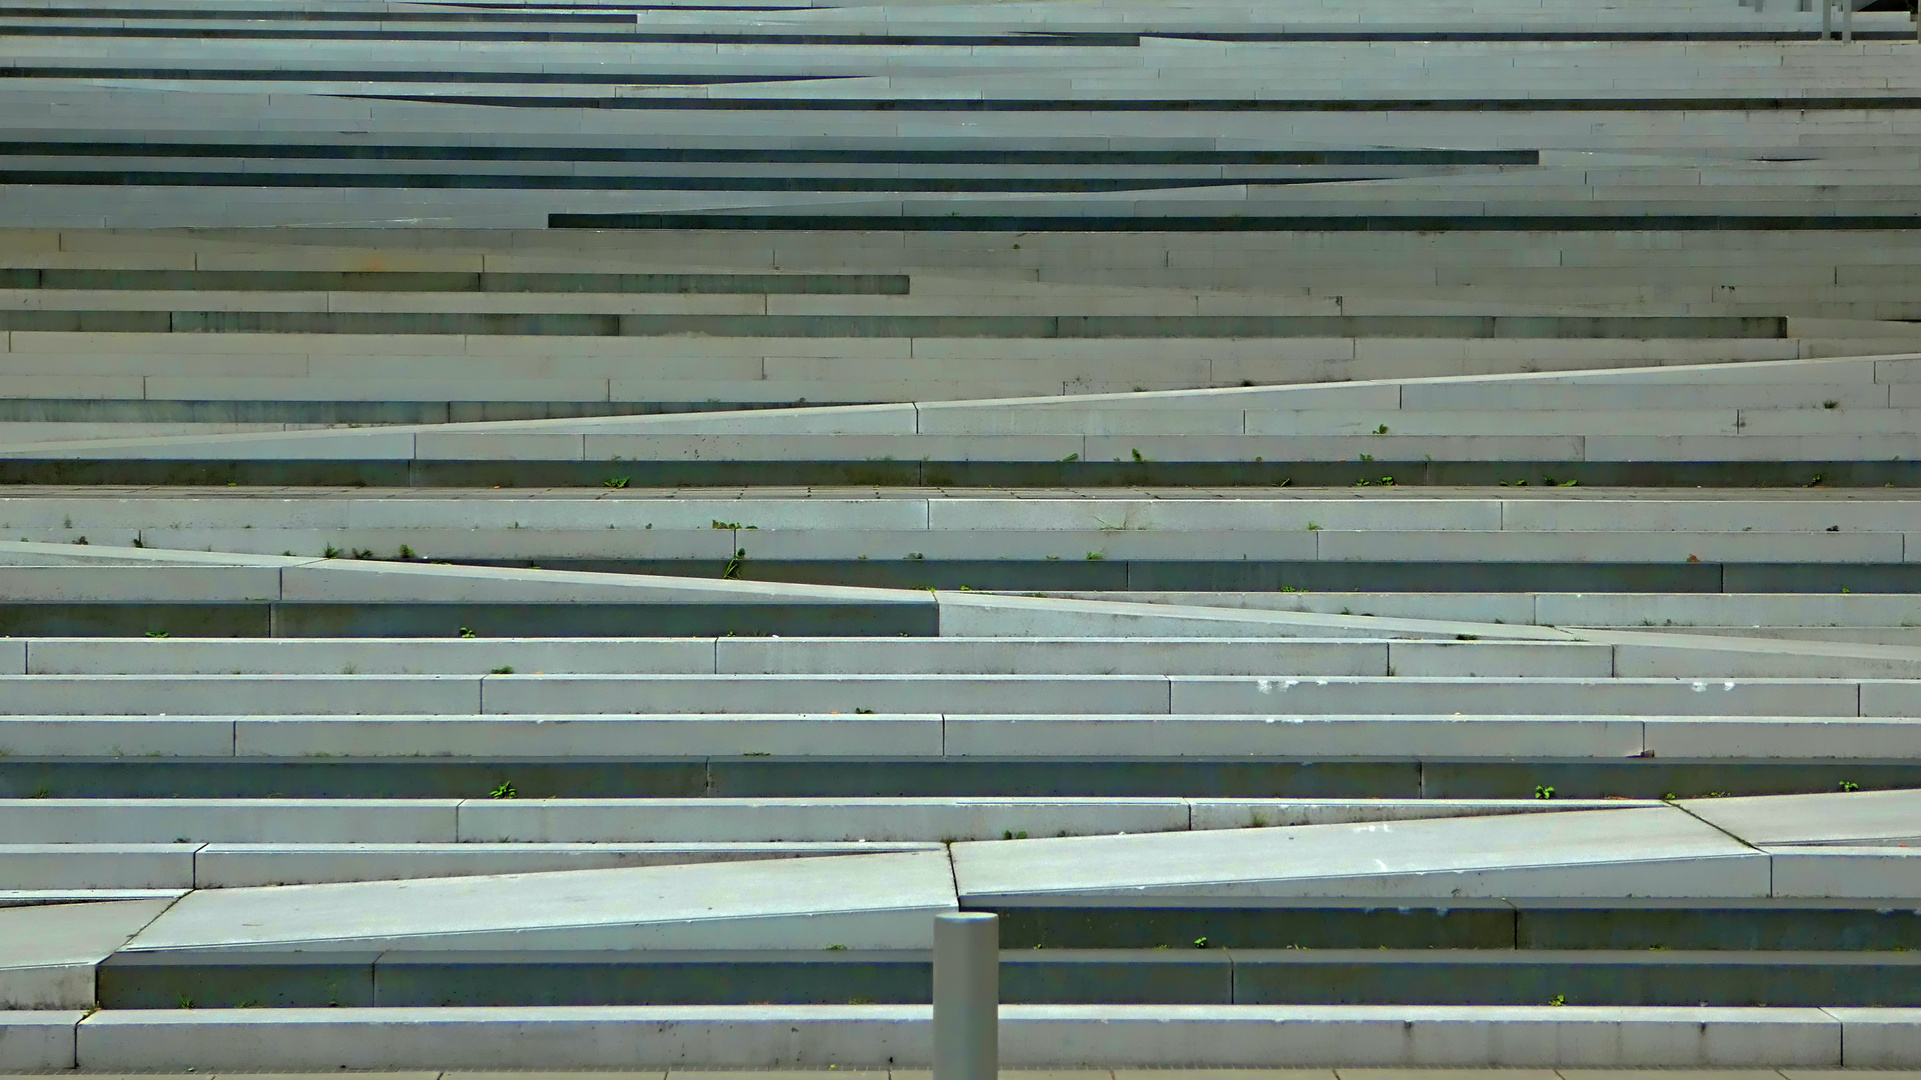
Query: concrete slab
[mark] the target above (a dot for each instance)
(1294, 735)
(213, 695)
(576, 736)
(335, 656)
(98, 866)
(47, 954)
(116, 736)
(1846, 871)
(1033, 1036)
(898, 694)
(819, 820)
(986, 615)
(1511, 696)
(1879, 1038)
(1085, 656)
(1857, 817)
(349, 581)
(1265, 813)
(1790, 737)
(227, 866)
(41, 1041)
(859, 901)
(181, 821)
(813, 1036)
(1643, 852)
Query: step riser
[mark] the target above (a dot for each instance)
(397, 472)
(484, 620)
(1198, 977)
(766, 777)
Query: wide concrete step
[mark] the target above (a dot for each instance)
(52, 830)
(607, 548)
(162, 512)
(80, 867)
(1798, 770)
(445, 741)
(952, 655)
(190, 320)
(1743, 613)
(1670, 851)
(879, 1036)
(1207, 695)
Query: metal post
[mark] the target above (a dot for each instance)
(967, 994)
(1827, 20)
(1847, 20)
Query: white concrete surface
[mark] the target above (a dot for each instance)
(1033, 1036)
(38, 1041)
(1644, 852)
(48, 954)
(860, 901)
(1858, 817)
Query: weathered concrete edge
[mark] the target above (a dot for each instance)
(760, 1036)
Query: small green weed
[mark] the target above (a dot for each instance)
(506, 790)
(1543, 791)
(614, 482)
(504, 669)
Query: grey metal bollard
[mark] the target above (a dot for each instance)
(967, 994)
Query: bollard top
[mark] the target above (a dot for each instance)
(966, 917)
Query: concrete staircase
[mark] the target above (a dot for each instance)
(561, 538)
